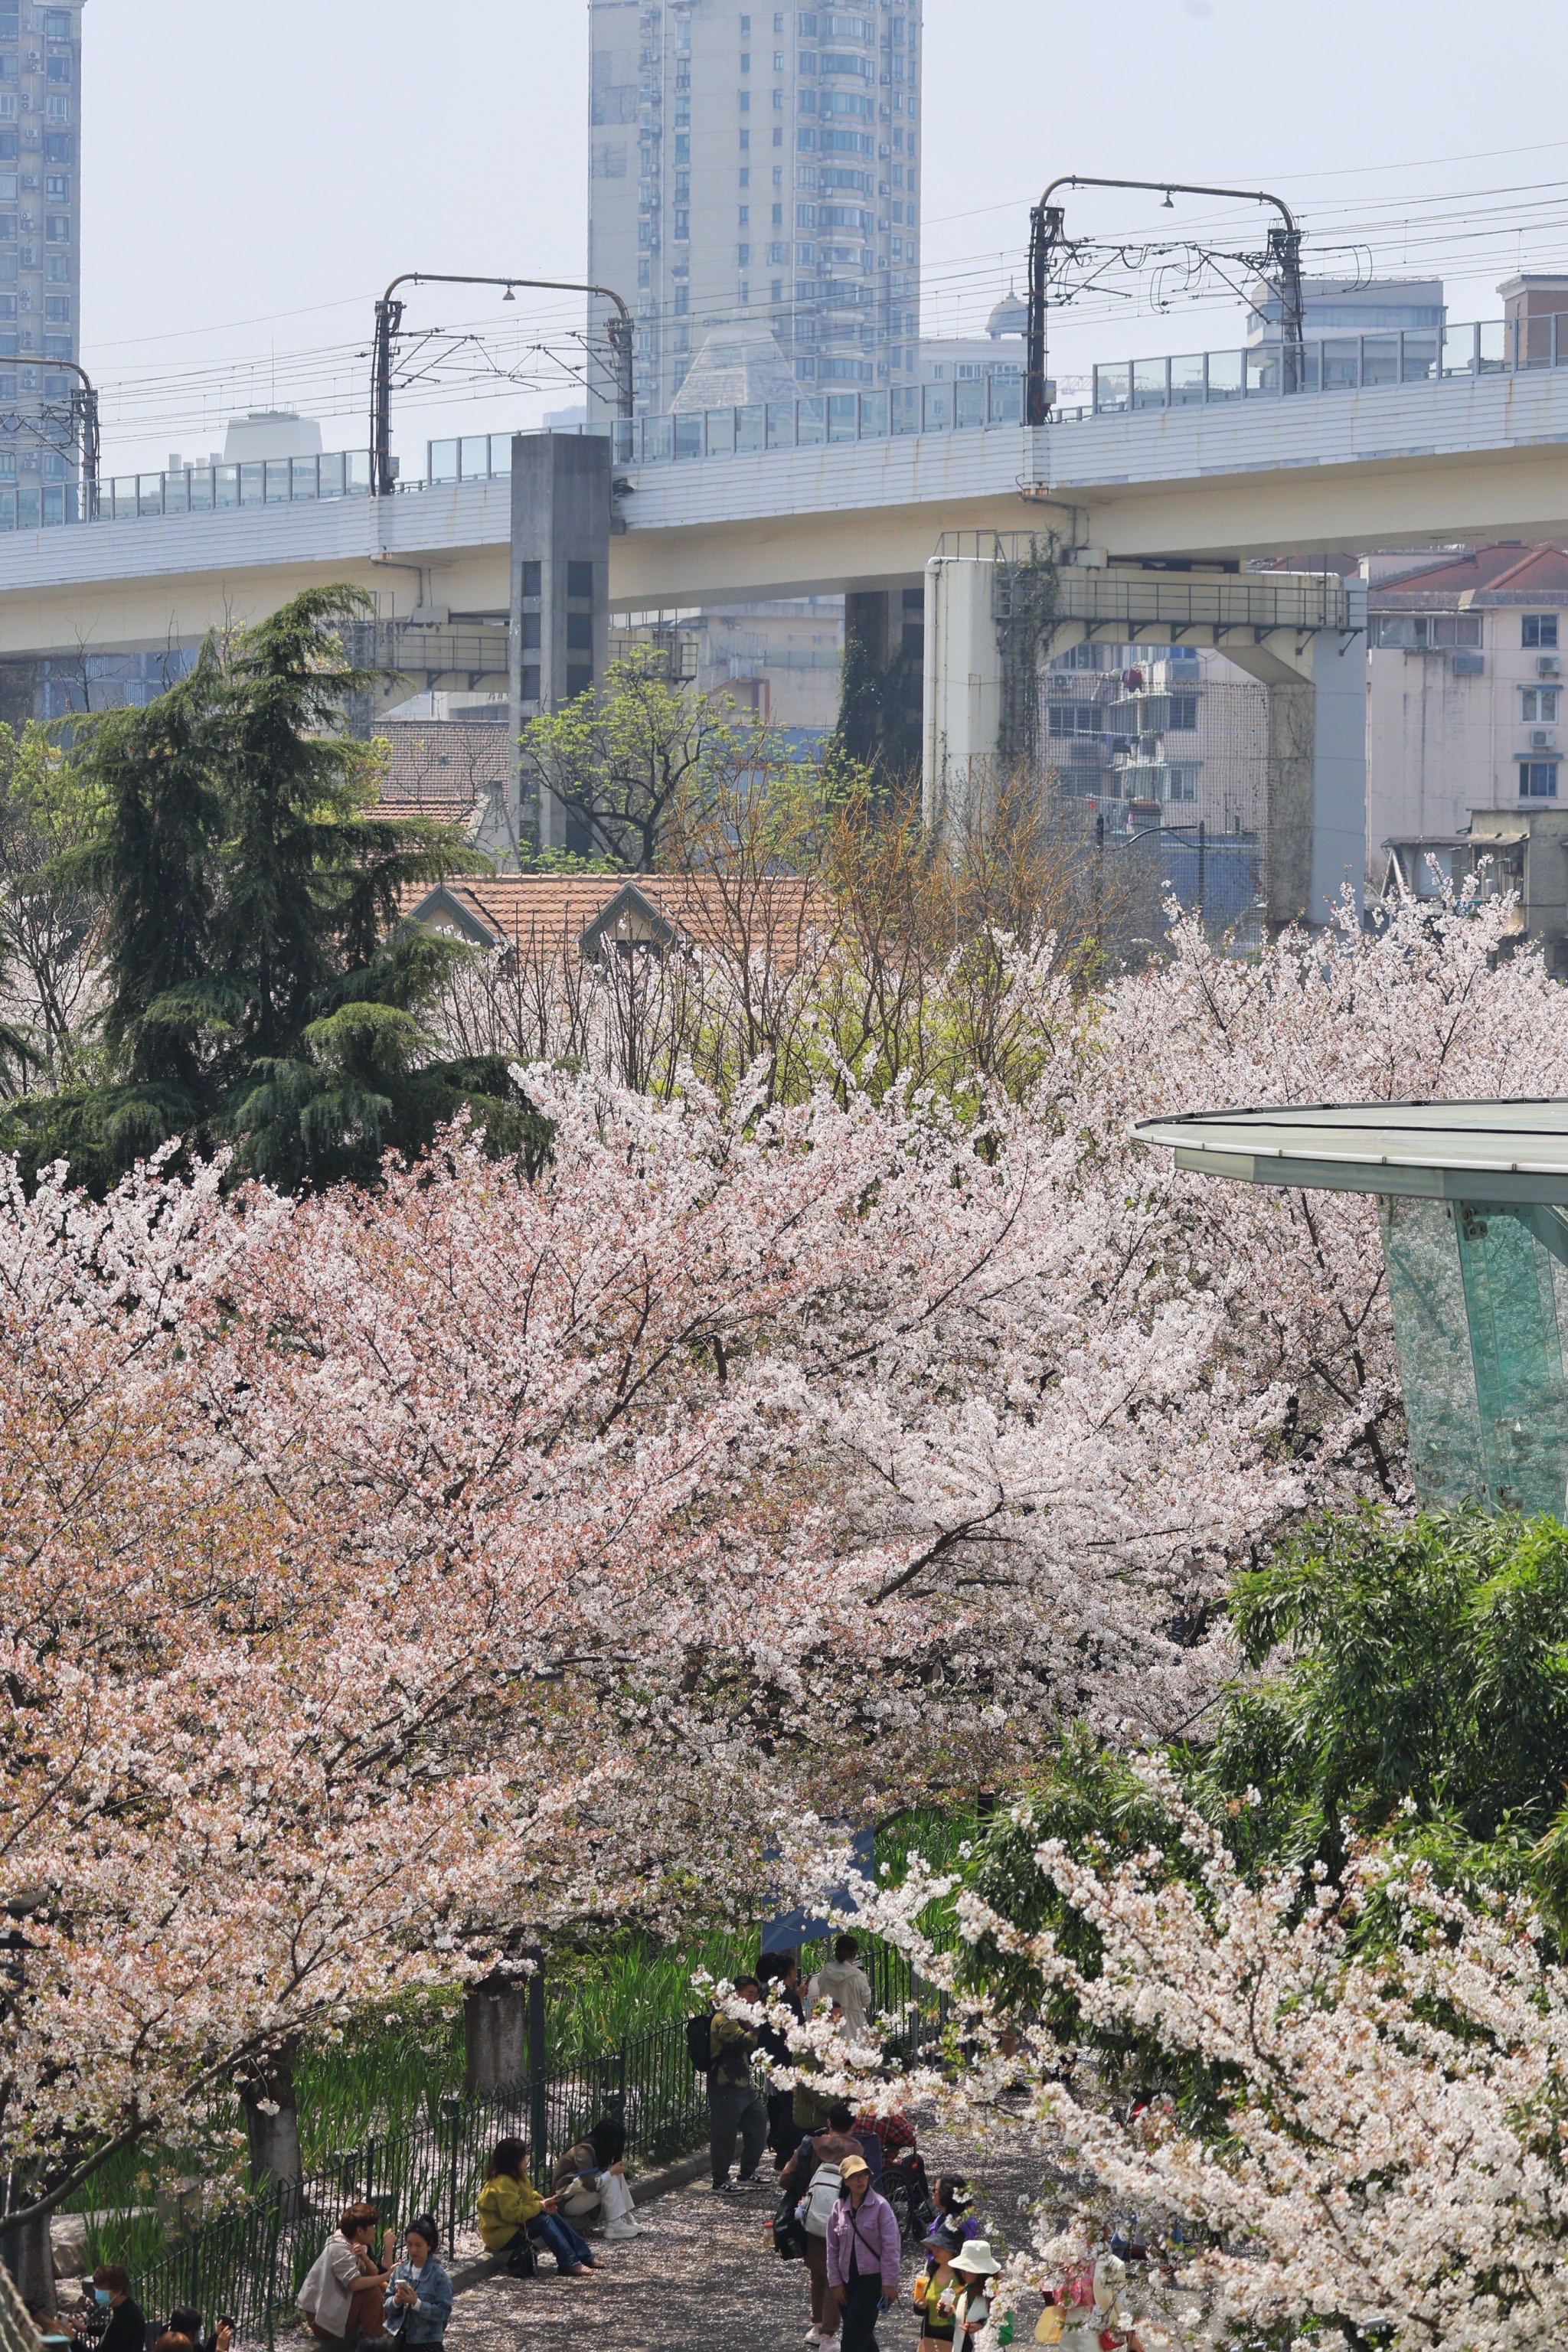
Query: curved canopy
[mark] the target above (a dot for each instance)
(1427, 1150)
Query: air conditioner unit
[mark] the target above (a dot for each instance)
(1543, 739)
(1547, 666)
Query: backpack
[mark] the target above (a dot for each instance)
(699, 2040)
(789, 2238)
(820, 2199)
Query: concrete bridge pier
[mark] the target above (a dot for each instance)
(1301, 634)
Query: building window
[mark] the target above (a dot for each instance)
(1183, 717)
(58, 187)
(778, 61)
(1537, 702)
(58, 309)
(59, 147)
(528, 688)
(745, 102)
(59, 69)
(57, 25)
(745, 61)
(528, 632)
(579, 580)
(58, 227)
(742, 256)
(579, 677)
(1538, 629)
(683, 227)
(59, 110)
(745, 219)
(1538, 779)
(579, 633)
(1183, 784)
(532, 574)
(57, 347)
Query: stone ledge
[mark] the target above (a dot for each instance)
(645, 2188)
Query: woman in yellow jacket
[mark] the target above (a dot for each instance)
(514, 2218)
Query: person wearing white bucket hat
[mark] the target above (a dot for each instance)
(975, 2266)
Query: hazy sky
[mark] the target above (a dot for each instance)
(255, 171)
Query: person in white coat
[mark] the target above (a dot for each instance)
(842, 1979)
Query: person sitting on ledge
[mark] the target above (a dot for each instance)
(591, 2181)
(513, 2217)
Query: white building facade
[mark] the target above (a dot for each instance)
(755, 173)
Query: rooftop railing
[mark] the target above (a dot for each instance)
(1329, 363)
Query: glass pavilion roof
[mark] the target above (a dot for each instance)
(1473, 1208)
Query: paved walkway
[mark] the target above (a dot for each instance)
(706, 2279)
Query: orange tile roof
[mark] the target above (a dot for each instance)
(768, 915)
(443, 768)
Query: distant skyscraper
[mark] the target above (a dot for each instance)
(40, 256)
(754, 189)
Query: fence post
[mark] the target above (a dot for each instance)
(272, 2234)
(1201, 845)
(538, 2101)
(454, 2113)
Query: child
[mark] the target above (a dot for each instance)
(975, 2268)
(936, 2298)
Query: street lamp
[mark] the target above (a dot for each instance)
(389, 317)
(1045, 234)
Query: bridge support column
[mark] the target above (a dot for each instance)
(1300, 636)
(961, 723)
(559, 610)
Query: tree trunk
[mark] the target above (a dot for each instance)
(28, 2255)
(495, 2033)
(272, 2120)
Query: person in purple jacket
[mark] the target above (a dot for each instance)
(862, 2255)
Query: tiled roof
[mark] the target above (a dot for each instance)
(443, 768)
(1497, 574)
(531, 912)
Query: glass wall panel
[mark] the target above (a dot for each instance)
(1112, 389)
(227, 482)
(201, 481)
(781, 425)
(873, 416)
(333, 478)
(810, 421)
(1427, 1294)
(906, 406)
(687, 436)
(1147, 383)
(751, 428)
(149, 494)
(1006, 400)
(443, 461)
(7, 510)
(500, 457)
(1225, 375)
(969, 402)
(302, 478)
(253, 483)
(176, 494)
(278, 483)
(721, 425)
(843, 416)
(1380, 359)
(1512, 1305)
(936, 407)
(1186, 379)
(54, 502)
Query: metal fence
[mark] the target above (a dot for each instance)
(249, 2265)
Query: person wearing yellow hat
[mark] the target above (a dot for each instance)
(863, 2251)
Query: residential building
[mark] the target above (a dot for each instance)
(41, 261)
(540, 919)
(1465, 692)
(1535, 317)
(778, 663)
(1000, 350)
(754, 177)
(1345, 306)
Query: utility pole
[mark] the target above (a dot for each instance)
(389, 319)
(1046, 236)
(84, 430)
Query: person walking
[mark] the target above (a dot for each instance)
(862, 2255)
(514, 2218)
(975, 2267)
(733, 2107)
(843, 1981)
(419, 2292)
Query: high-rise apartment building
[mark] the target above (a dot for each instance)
(754, 192)
(40, 258)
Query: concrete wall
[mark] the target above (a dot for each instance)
(560, 599)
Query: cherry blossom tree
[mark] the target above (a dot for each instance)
(389, 1581)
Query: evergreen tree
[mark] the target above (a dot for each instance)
(258, 991)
